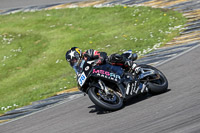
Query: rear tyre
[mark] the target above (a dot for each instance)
(111, 103)
(159, 85)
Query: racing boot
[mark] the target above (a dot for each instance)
(134, 68)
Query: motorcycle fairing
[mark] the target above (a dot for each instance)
(108, 71)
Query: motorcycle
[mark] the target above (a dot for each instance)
(108, 86)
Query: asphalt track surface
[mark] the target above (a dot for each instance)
(10, 4)
(176, 111)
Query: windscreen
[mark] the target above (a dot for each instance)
(78, 67)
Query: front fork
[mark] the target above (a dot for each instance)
(121, 93)
(103, 87)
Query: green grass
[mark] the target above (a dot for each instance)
(33, 45)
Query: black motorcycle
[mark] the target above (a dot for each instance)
(109, 86)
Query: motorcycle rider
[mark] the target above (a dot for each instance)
(126, 60)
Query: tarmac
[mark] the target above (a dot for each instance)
(189, 39)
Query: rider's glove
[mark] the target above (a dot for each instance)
(94, 62)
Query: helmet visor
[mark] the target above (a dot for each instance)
(73, 62)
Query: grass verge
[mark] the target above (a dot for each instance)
(33, 45)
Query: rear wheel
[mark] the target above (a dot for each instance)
(157, 85)
(110, 101)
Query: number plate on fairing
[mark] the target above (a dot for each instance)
(82, 79)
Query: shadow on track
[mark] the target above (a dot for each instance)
(98, 110)
(130, 101)
(141, 97)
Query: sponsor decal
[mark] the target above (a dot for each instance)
(82, 79)
(87, 68)
(107, 74)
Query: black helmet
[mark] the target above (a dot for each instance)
(73, 55)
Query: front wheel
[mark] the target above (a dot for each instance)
(159, 85)
(110, 101)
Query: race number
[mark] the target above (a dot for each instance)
(82, 79)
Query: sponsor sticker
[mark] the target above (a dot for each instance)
(82, 79)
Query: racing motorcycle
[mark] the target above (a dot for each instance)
(108, 86)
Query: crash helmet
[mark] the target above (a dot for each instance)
(73, 56)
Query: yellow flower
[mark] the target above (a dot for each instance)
(136, 20)
(165, 14)
(90, 42)
(124, 35)
(125, 6)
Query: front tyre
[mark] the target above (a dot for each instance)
(159, 85)
(110, 102)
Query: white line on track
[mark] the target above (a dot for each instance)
(73, 97)
(178, 55)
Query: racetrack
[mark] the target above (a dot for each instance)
(176, 111)
(9, 4)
